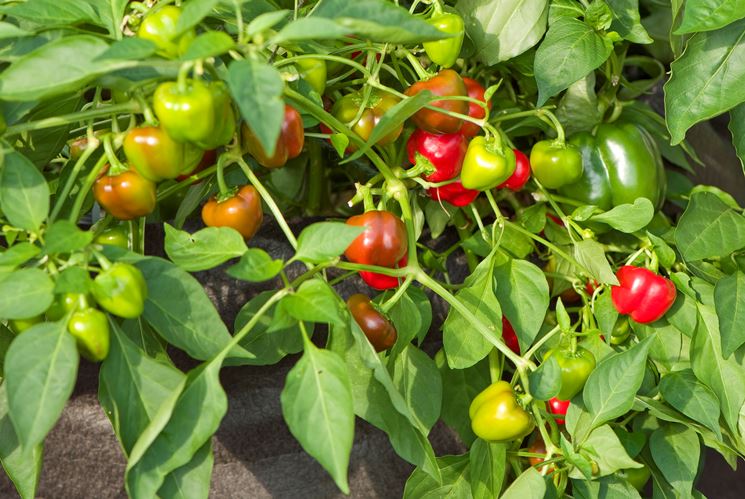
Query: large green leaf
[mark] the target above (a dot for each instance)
(627, 22)
(707, 79)
(23, 467)
(709, 228)
(729, 297)
(24, 194)
(707, 15)
(25, 293)
(454, 483)
(676, 451)
(503, 29)
(737, 127)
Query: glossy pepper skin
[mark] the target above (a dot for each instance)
(445, 52)
(242, 212)
(381, 282)
(20, 325)
(642, 294)
(346, 109)
(487, 164)
(379, 330)
(289, 143)
(187, 114)
(475, 91)
(575, 369)
(223, 117)
(125, 196)
(558, 407)
(497, 417)
(160, 28)
(156, 156)
(509, 336)
(66, 303)
(444, 151)
(384, 241)
(555, 165)
(313, 71)
(621, 163)
(447, 83)
(454, 193)
(114, 236)
(520, 176)
(90, 328)
(120, 290)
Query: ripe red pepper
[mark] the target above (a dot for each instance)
(642, 294)
(289, 143)
(446, 83)
(558, 407)
(509, 336)
(475, 91)
(454, 193)
(521, 175)
(347, 108)
(444, 151)
(242, 212)
(382, 282)
(383, 242)
(125, 196)
(379, 330)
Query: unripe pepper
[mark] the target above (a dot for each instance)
(156, 156)
(487, 164)
(160, 28)
(223, 117)
(242, 212)
(90, 328)
(496, 415)
(454, 193)
(475, 91)
(114, 236)
(289, 143)
(347, 108)
(445, 52)
(444, 151)
(120, 290)
(447, 83)
(66, 303)
(313, 71)
(575, 369)
(642, 294)
(379, 330)
(186, 112)
(125, 196)
(555, 164)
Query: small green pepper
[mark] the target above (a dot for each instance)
(121, 290)
(487, 164)
(555, 164)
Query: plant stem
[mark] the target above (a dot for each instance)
(129, 107)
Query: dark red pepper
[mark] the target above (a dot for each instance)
(444, 151)
(642, 294)
(382, 282)
(454, 193)
(521, 175)
(475, 91)
(509, 336)
(446, 83)
(558, 407)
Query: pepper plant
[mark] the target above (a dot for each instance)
(595, 342)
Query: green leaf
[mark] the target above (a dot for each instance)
(709, 228)
(665, 253)
(65, 237)
(267, 341)
(192, 480)
(52, 12)
(17, 255)
(737, 127)
(605, 312)
(416, 377)
(605, 449)
(598, 15)
(323, 241)
(412, 316)
(676, 452)
(545, 382)
(459, 388)
(578, 108)
(610, 389)
(522, 291)
(379, 21)
(706, 79)
(28, 77)
(133, 387)
(131, 48)
(180, 311)
(73, 280)
(591, 255)
(685, 393)
(8, 30)
(570, 50)
(257, 88)
(25, 293)
(22, 467)
(725, 377)
(209, 44)
(729, 297)
(529, 485)
(193, 13)
(503, 29)
(608, 487)
(464, 344)
(40, 370)
(315, 301)
(454, 483)
(317, 406)
(24, 194)
(205, 249)
(255, 265)
(627, 22)
(708, 15)
(628, 218)
(265, 21)
(195, 417)
(488, 463)
(311, 28)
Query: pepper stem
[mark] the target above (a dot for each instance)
(420, 71)
(117, 167)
